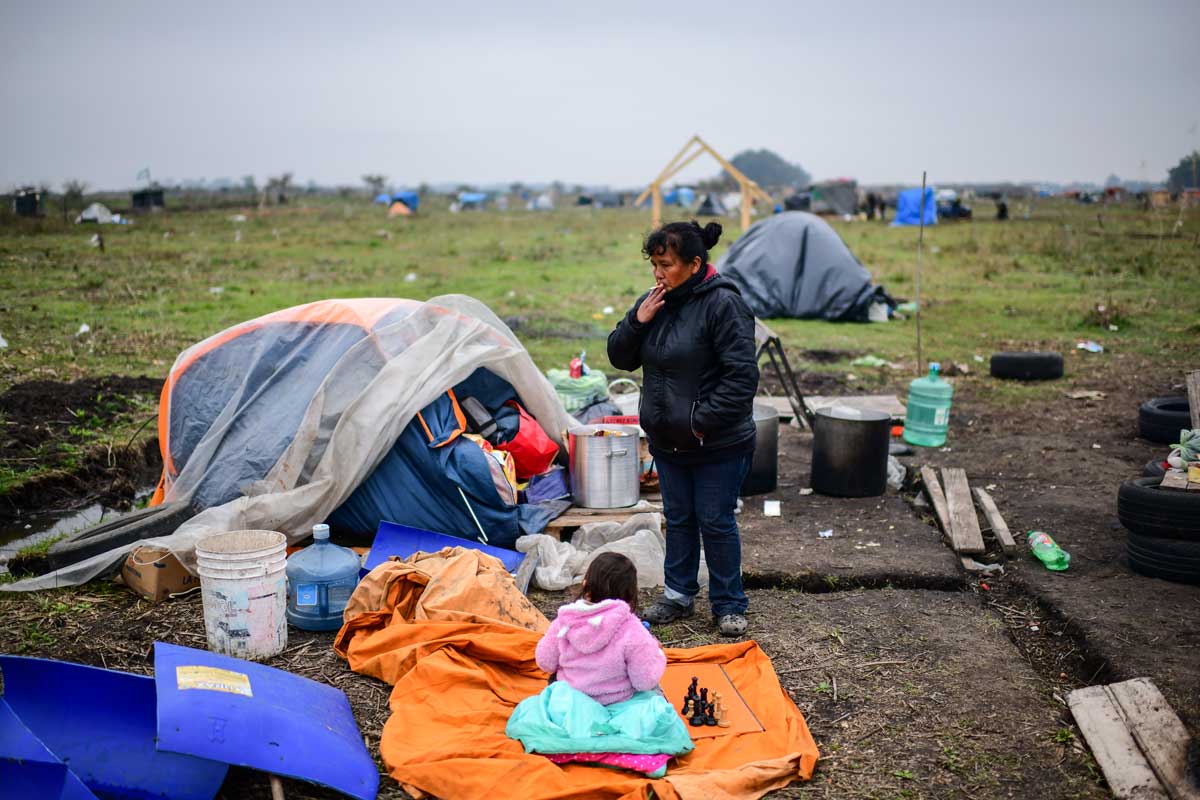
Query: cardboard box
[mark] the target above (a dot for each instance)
(156, 574)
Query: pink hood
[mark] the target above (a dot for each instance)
(602, 650)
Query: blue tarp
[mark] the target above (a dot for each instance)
(385, 199)
(908, 207)
(410, 199)
(680, 196)
(472, 198)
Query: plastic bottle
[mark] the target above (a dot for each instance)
(1048, 552)
(927, 417)
(320, 579)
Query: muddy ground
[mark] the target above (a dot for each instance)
(916, 678)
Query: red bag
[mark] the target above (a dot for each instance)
(532, 450)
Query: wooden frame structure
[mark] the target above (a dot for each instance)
(750, 189)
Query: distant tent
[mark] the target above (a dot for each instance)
(800, 201)
(908, 207)
(711, 206)
(835, 197)
(543, 202)
(606, 200)
(795, 265)
(383, 199)
(732, 201)
(148, 199)
(410, 199)
(398, 209)
(680, 196)
(27, 202)
(471, 200)
(95, 213)
(583, 200)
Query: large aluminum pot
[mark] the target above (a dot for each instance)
(604, 469)
(850, 452)
(763, 476)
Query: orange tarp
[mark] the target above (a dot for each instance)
(456, 639)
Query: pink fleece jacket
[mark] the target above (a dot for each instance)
(602, 650)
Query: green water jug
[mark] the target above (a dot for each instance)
(928, 415)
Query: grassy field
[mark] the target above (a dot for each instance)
(174, 278)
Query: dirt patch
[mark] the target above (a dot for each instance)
(50, 433)
(546, 326)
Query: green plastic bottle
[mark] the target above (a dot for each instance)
(1048, 551)
(927, 417)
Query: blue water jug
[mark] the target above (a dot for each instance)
(320, 579)
(928, 414)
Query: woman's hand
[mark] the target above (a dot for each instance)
(650, 306)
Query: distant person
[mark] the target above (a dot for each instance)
(872, 205)
(693, 336)
(882, 210)
(1001, 210)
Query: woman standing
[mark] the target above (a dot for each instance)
(693, 337)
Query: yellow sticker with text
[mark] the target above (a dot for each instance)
(213, 679)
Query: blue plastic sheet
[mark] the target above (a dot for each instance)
(238, 712)
(28, 769)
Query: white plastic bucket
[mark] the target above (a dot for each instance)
(626, 401)
(244, 588)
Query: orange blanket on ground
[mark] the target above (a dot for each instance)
(456, 638)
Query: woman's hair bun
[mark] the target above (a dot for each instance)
(710, 235)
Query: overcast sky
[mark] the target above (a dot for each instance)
(599, 93)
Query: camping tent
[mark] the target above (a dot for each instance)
(471, 200)
(339, 410)
(835, 197)
(97, 213)
(680, 196)
(383, 198)
(795, 265)
(543, 202)
(711, 206)
(908, 207)
(410, 199)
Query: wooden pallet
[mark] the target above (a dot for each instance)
(1137, 739)
(576, 516)
(1178, 479)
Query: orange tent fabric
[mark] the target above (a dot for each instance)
(456, 638)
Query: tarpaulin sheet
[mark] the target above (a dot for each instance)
(456, 639)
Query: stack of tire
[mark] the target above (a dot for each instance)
(1163, 524)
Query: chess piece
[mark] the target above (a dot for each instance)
(692, 692)
(697, 715)
(709, 719)
(687, 708)
(723, 714)
(704, 695)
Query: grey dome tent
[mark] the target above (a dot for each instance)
(711, 206)
(795, 265)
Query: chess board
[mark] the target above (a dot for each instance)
(678, 677)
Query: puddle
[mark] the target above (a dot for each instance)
(39, 527)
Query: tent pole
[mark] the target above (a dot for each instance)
(656, 205)
(920, 242)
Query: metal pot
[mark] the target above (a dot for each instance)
(604, 469)
(763, 476)
(850, 452)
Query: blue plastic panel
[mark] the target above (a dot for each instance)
(28, 769)
(101, 723)
(402, 541)
(242, 713)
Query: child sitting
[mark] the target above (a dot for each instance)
(597, 644)
(601, 707)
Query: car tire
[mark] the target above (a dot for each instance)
(1146, 510)
(1154, 469)
(1169, 559)
(1027, 366)
(1161, 419)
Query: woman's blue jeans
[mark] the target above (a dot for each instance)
(699, 501)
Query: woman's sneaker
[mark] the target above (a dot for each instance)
(732, 624)
(665, 611)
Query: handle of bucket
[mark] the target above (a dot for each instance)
(612, 453)
(636, 388)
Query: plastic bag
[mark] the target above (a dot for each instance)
(577, 393)
(1186, 451)
(532, 450)
(562, 564)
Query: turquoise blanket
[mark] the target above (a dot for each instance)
(565, 720)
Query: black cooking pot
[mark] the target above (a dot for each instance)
(850, 452)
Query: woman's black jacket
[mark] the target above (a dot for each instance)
(699, 371)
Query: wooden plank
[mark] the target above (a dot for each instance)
(781, 404)
(1128, 773)
(934, 489)
(1158, 732)
(965, 536)
(1174, 479)
(996, 522)
(887, 403)
(1193, 391)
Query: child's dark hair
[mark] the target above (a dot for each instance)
(687, 239)
(611, 576)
